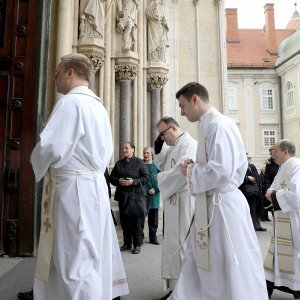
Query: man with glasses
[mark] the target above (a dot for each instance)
(223, 259)
(172, 147)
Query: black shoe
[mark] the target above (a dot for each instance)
(154, 242)
(268, 220)
(166, 296)
(260, 229)
(125, 247)
(26, 295)
(270, 287)
(296, 294)
(136, 250)
(270, 292)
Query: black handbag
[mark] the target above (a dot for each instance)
(251, 190)
(135, 204)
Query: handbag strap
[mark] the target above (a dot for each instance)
(142, 187)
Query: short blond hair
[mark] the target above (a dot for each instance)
(79, 63)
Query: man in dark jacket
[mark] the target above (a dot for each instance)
(270, 173)
(252, 178)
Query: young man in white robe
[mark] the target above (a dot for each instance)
(78, 256)
(282, 264)
(223, 259)
(172, 147)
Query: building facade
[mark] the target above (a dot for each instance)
(288, 68)
(142, 52)
(256, 85)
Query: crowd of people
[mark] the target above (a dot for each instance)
(213, 199)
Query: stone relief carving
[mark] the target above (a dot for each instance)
(91, 14)
(156, 80)
(127, 21)
(126, 72)
(96, 59)
(157, 31)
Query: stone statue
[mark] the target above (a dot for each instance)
(126, 21)
(91, 19)
(157, 31)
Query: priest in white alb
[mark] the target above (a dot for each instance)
(282, 264)
(172, 147)
(78, 255)
(223, 259)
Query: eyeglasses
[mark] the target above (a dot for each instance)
(161, 134)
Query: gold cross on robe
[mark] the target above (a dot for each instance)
(283, 184)
(202, 235)
(202, 243)
(47, 224)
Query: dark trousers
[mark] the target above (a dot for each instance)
(132, 230)
(153, 223)
(252, 201)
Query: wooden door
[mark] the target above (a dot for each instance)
(18, 102)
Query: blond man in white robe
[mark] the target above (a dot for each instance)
(223, 259)
(282, 264)
(78, 256)
(172, 147)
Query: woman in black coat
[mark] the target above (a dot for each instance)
(127, 175)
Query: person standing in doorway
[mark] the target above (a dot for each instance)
(78, 256)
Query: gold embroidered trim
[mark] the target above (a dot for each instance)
(119, 281)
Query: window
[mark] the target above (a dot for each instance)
(267, 101)
(232, 105)
(290, 94)
(269, 138)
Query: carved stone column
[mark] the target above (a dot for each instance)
(156, 79)
(64, 39)
(93, 49)
(126, 69)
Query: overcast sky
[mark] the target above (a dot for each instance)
(251, 12)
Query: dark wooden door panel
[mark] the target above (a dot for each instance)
(4, 94)
(18, 61)
(6, 23)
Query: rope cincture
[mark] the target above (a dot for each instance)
(217, 201)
